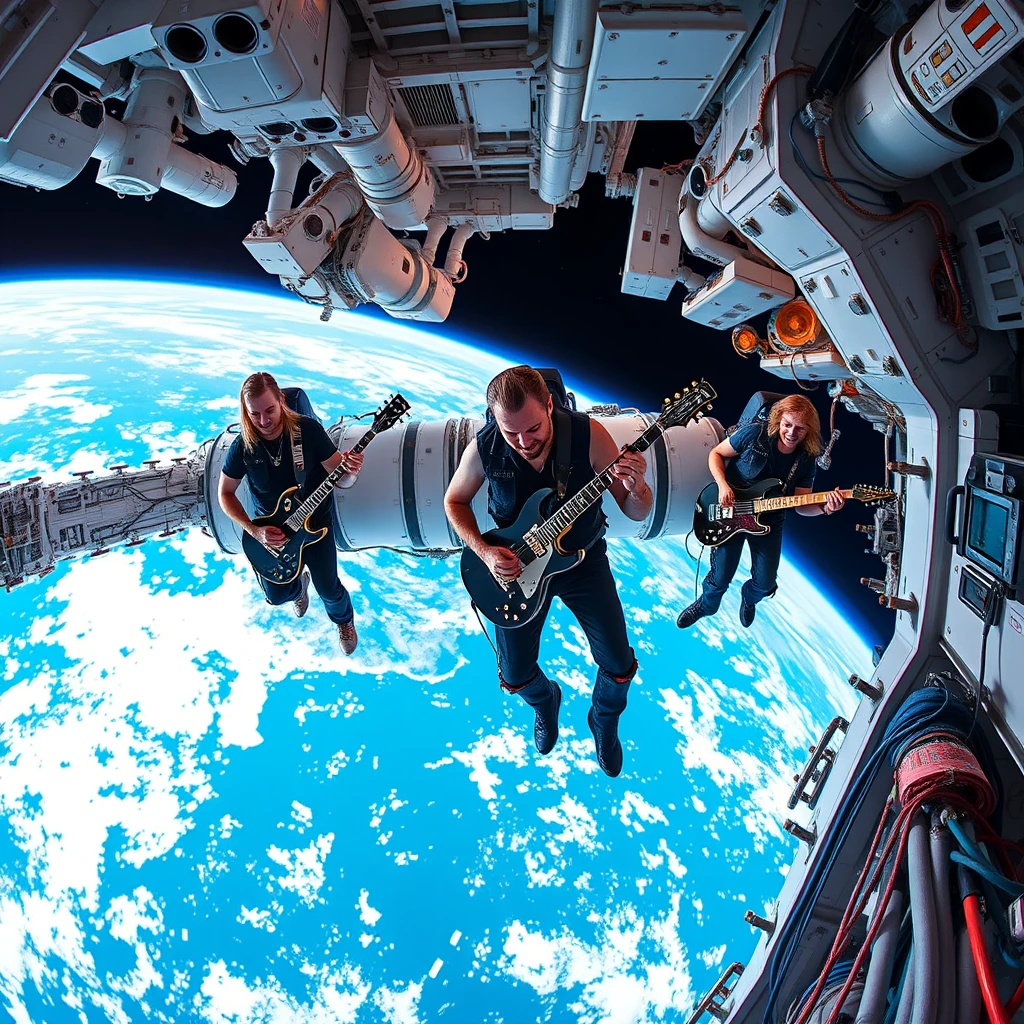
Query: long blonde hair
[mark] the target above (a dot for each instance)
(252, 387)
(797, 405)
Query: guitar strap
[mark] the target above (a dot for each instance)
(297, 463)
(563, 449)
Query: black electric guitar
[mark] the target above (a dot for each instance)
(714, 524)
(535, 537)
(291, 516)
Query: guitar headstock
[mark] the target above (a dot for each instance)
(868, 494)
(690, 403)
(390, 413)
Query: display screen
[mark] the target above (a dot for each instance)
(987, 534)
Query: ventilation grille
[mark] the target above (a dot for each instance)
(430, 106)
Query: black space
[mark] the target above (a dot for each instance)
(551, 297)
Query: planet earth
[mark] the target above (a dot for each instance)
(207, 813)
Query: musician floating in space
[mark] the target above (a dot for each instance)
(277, 450)
(781, 449)
(532, 442)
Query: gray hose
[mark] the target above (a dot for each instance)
(926, 939)
(883, 952)
(907, 996)
(968, 992)
(941, 844)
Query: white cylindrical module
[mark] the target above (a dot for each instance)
(394, 180)
(398, 500)
(198, 178)
(953, 43)
(148, 159)
(226, 532)
(891, 135)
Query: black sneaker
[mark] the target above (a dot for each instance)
(607, 745)
(545, 725)
(690, 614)
(747, 613)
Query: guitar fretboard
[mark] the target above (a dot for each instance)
(549, 531)
(313, 502)
(786, 501)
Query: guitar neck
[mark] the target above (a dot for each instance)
(574, 507)
(794, 500)
(316, 499)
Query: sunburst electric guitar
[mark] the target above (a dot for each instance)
(291, 516)
(714, 524)
(535, 537)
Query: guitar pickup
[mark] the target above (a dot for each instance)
(536, 545)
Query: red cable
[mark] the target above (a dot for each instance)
(762, 106)
(1015, 1001)
(993, 1004)
(952, 315)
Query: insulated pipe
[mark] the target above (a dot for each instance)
(287, 163)
(906, 1007)
(941, 844)
(572, 41)
(922, 908)
(690, 279)
(581, 165)
(327, 160)
(454, 265)
(436, 227)
(968, 994)
(714, 250)
(394, 180)
(883, 953)
(342, 202)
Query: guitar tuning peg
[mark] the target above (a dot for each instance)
(710, 407)
(693, 383)
(678, 396)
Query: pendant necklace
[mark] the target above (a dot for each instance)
(276, 459)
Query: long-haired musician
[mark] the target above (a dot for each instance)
(784, 448)
(515, 454)
(264, 453)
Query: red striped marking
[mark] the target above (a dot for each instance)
(987, 35)
(980, 14)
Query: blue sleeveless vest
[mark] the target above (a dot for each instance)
(511, 480)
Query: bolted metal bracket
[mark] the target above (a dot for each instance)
(757, 921)
(714, 1001)
(870, 690)
(805, 835)
(819, 764)
(910, 469)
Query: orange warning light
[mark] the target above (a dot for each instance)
(794, 326)
(746, 340)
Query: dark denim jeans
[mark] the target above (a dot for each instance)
(765, 552)
(589, 592)
(321, 559)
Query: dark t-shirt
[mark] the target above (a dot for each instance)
(267, 482)
(741, 472)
